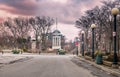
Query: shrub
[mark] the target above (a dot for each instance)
(98, 52)
(88, 53)
(62, 52)
(111, 56)
(25, 49)
(16, 51)
(107, 53)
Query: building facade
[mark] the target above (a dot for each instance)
(56, 39)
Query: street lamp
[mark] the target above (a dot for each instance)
(115, 11)
(76, 44)
(82, 42)
(93, 26)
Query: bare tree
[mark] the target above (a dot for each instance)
(41, 26)
(23, 26)
(23, 29)
(13, 29)
(18, 27)
(103, 19)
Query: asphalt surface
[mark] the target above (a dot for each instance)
(94, 70)
(52, 66)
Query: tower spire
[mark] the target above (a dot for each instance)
(56, 22)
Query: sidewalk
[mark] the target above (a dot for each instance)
(8, 58)
(102, 67)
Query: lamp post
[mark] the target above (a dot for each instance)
(115, 11)
(93, 26)
(82, 42)
(76, 44)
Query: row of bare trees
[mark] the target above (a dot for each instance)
(17, 31)
(102, 17)
(41, 26)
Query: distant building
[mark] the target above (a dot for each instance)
(56, 39)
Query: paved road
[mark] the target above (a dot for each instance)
(46, 66)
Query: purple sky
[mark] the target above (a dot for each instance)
(66, 11)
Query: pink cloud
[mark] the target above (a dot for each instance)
(1, 19)
(22, 8)
(66, 12)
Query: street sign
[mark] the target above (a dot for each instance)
(76, 43)
(114, 33)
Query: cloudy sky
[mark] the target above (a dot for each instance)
(66, 11)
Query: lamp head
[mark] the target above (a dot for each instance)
(82, 32)
(115, 11)
(93, 26)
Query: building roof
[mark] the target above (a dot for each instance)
(56, 31)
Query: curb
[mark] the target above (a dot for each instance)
(19, 60)
(102, 67)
